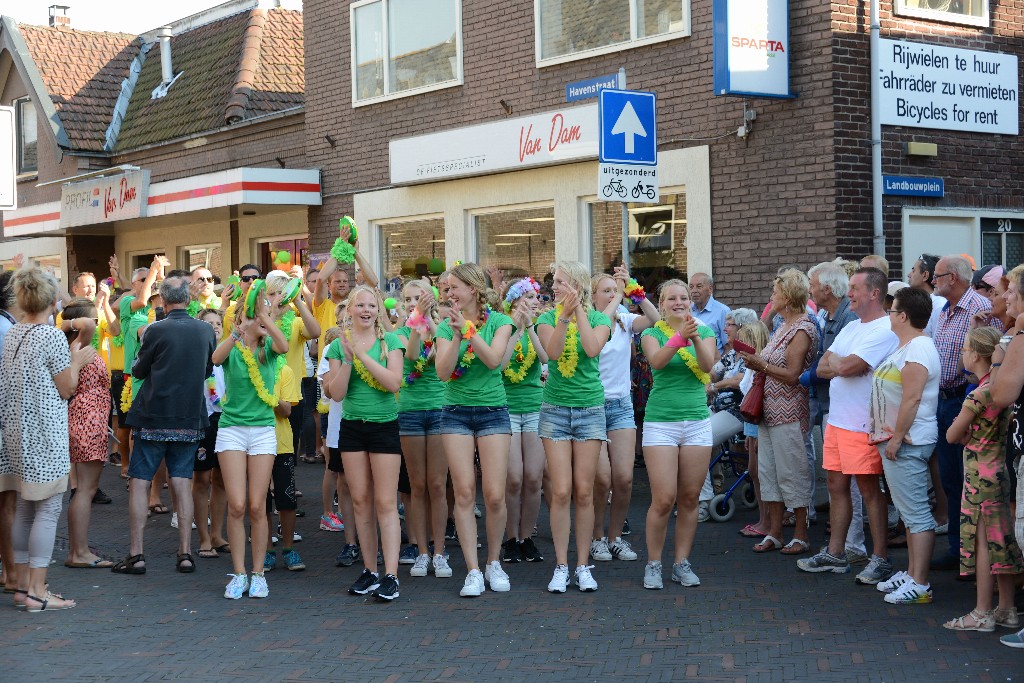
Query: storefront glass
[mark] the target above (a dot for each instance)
(411, 249)
(657, 238)
(205, 256)
(283, 254)
(519, 242)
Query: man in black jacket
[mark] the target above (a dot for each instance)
(168, 417)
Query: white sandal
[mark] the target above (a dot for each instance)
(773, 544)
(986, 623)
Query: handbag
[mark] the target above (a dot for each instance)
(752, 406)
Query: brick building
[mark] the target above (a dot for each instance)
(421, 118)
(187, 142)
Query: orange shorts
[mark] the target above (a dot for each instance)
(849, 452)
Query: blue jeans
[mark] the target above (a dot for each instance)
(908, 478)
(951, 469)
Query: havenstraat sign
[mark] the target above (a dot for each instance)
(929, 86)
(111, 198)
(552, 137)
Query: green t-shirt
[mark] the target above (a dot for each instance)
(584, 388)
(242, 406)
(363, 402)
(479, 385)
(677, 394)
(425, 393)
(131, 323)
(524, 396)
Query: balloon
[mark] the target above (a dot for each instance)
(283, 256)
(436, 266)
(389, 303)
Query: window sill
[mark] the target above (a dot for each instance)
(617, 47)
(26, 177)
(943, 17)
(405, 93)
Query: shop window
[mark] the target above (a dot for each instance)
(402, 47)
(26, 123)
(412, 249)
(50, 264)
(283, 254)
(970, 12)
(1002, 241)
(519, 243)
(657, 239)
(576, 29)
(203, 256)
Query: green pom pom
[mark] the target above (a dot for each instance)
(343, 252)
(353, 230)
(389, 303)
(232, 280)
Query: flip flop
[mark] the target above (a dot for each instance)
(751, 531)
(208, 553)
(96, 564)
(773, 544)
(159, 509)
(795, 547)
(223, 548)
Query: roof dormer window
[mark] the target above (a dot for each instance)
(26, 123)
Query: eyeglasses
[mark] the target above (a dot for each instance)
(982, 287)
(937, 276)
(247, 278)
(205, 279)
(894, 310)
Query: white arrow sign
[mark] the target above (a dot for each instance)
(628, 124)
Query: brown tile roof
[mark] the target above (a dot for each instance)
(233, 69)
(82, 72)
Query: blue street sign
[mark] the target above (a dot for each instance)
(628, 127)
(909, 186)
(584, 90)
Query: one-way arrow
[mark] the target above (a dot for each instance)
(628, 124)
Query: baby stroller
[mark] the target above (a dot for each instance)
(724, 427)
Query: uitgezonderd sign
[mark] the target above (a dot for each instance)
(102, 200)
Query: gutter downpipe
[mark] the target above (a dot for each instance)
(878, 239)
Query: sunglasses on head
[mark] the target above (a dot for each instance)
(247, 278)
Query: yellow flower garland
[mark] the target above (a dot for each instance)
(254, 375)
(525, 362)
(364, 372)
(570, 357)
(126, 394)
(690, 360)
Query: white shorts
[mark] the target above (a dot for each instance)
(685, 433)
(249, 440)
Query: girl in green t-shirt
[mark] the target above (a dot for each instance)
(471, 344)
(419, 424)
(521, 375)
(366, 373)
(246, 442)
(572, 420)
(677, 428)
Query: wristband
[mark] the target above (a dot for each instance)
(468, 330)
(996, 365)
(565, 321)
(677, 342)
(346, 361)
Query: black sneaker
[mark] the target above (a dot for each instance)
(366, 583)
(449, 531)
(347, 557)
(528, 551)
(510, 551)
(100, 498)
(625, 527)
(388, 589)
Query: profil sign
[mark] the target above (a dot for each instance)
(111, 198)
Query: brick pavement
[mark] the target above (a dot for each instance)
(754, 618)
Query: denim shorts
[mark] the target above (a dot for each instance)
(475, 420)
(908, 479)
(618, 414)
(561, 423)
(146, 457)
(419, 423)
(682, 433)
(524, 422)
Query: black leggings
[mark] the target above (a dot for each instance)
(283, 476)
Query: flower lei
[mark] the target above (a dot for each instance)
(518, 289)
(193, 308)
(525, 362)
(126, 394)
(690, 360)
(285, 322)
(211, 391)
(254, 374)
(418, 322)
(117, 341)
(468, 356)
(421, 364)
(635, 291)
(363, 371)
(570, 357)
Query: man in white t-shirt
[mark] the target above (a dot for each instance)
(854, 354)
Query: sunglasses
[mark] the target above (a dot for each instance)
(247, 278)
(204, 279)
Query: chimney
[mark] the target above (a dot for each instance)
(166, 65)
(59, 16)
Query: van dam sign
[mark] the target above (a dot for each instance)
(928, 86)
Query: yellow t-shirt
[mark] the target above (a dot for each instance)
(324, 314)
(229, 321)
(285, 389)
(295, 358)
(105, 346)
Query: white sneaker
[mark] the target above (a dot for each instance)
(894, 582)
(497, 578)
(474, 585)
(258, 587)
(174, 520)
(621, 550)
(585, 580)
(441, 568)
(652, 576)
(419, 568)
(599, 550)
(237, 586)
(703, 511)
(559, 580)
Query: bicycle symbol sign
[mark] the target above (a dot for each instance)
(616, 183)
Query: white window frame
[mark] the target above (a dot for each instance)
(183, 253)
(633, 41)
(454, 83)
(900, 9)
(19, 119)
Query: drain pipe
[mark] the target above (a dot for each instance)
(878, 239)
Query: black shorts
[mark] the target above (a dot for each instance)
(283, 476)
(116, 387)
(334, 463)
(206, 454)
(404, 486)
(371, 437)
